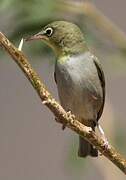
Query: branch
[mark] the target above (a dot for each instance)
(96, 16)
(60, 114)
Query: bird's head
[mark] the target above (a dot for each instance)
(63, 37)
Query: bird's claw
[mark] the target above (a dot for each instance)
(64, 124)
(105, 145)
(70, 115)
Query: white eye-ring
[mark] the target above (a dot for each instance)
(49, 31)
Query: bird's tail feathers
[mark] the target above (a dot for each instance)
(86, 149)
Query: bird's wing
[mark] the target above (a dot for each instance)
(102, 81)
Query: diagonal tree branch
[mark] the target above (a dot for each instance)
(56, 108)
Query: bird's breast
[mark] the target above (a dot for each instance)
(75, 86)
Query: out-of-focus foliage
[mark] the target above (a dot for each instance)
(28, 15)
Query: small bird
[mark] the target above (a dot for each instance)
(78, 75)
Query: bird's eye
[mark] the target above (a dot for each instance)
(49, 31)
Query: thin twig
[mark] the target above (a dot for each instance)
(56, 108)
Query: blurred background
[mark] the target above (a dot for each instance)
(32, 144)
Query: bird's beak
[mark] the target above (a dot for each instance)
(37, 36)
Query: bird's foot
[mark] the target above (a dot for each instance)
(70, 115)
(64, 124)
(106, 145)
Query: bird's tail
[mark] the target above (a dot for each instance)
(86, 149)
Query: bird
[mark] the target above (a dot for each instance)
(78, 75)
